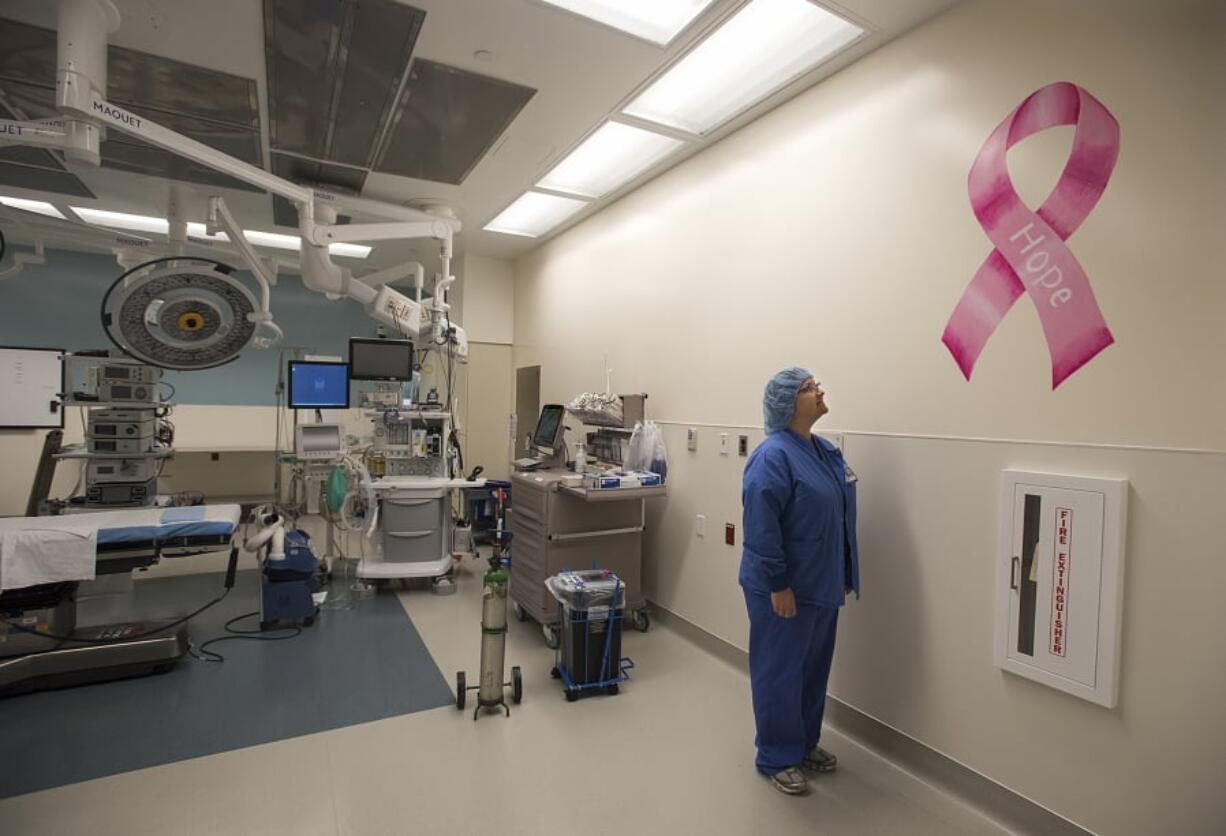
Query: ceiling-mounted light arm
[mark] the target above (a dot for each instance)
(80, 98)
(437, 228)
(125, 121)
(220, 220)
(20, 260)
(323, 235)
(32, 133)
(395, 273)
(376, 208)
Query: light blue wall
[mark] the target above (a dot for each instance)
(57, 305)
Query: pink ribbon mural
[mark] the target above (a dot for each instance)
(1030, 255)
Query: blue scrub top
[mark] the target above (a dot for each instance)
(799, 499)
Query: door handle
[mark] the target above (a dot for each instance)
(1013, 572)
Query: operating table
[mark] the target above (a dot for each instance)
(31, 659)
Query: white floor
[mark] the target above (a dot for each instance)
(673, 753)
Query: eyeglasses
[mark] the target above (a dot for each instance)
(806, 389)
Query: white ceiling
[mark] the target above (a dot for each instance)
(582, 71)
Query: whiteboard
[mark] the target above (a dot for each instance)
(31, 380)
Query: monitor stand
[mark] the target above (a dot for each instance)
(319, 416)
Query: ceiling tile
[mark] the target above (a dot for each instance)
(447, 121)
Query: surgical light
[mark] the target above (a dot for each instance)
(145, 223)
(756, 52)
(534, 214)
(613, 155)
(657, 21)
(40, 207)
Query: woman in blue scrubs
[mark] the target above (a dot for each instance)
(798, 564)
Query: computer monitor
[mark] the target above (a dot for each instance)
(371, 359)
(315, 384)
(549, 427)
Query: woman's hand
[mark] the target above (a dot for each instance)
(783, 603)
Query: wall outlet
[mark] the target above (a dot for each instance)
(723, 444)
(742, 445)
(691, 438)
(700, 526)
(730, 534)
(836, 439)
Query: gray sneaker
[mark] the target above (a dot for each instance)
(819, 760)
(791, 781)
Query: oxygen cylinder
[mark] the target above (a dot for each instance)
(493, 636)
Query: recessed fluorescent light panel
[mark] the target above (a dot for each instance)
(758, 50)
(41, 207)
(121, 220)
(143, 223)
(534, 214)
(657, 21)
(613, 155)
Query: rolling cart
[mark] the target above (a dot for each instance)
(591, 612)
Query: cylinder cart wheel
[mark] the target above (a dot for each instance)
(641, 622)
(461, 690)
(517, 685)
(520, 613)
(572, 694)
(552, 637)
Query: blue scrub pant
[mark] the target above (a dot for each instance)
(789, 666)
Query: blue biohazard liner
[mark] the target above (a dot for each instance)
(591, 613)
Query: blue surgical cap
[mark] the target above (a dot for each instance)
(779, 399)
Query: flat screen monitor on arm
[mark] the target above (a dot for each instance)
(376, 359)
(318, 385)
(549, 428)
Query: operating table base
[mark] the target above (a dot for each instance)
(81, 664)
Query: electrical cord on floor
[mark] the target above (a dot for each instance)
(203, 654)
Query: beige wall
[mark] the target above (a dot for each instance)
(484, 409)
(836, 233)
(488, 299)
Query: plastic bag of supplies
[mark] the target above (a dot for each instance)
(647, 451)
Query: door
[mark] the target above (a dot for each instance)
(527, 406)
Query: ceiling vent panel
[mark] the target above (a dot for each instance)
(335, 71)
(137, 79)
(219, 109)
(315, 174)
(22, 166)
(42, 180)
(27, 53)
(26, 102)
(447, 120)
(25, 155)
